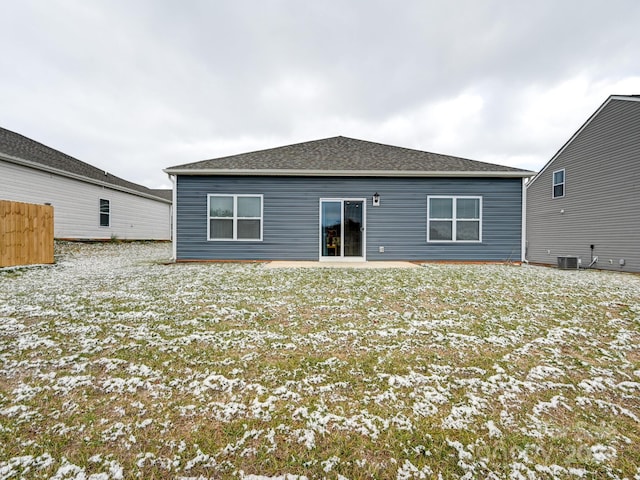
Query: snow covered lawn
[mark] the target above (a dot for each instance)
(115, 365)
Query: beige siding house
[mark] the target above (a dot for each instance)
(585, 202)
(89, 203)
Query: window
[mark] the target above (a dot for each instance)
(105, 212)
(235, 217)
(558, 184)
(454, 219)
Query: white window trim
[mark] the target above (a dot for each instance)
(100, 200)
(235, 217)
(454, 220)
(554, 184)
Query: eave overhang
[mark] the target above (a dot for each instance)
(344, 173)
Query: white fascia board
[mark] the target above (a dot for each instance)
(64, 173)
(624, 97)
(584, 125)
(344, 173)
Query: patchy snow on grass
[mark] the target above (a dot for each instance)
(115, 364)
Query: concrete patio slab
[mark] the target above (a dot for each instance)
(359, 265)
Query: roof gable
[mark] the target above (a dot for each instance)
(342, 156)
(612, 98)
(19, 149)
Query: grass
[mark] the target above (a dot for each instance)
(116, 365)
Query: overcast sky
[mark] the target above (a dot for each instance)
(135, 86)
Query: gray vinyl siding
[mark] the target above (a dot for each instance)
(76, 206)
(602, 195)
(292, 209)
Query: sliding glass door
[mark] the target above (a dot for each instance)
(342, 229)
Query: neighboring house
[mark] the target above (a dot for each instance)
(346, 199)
(89, 203)
(585, 202)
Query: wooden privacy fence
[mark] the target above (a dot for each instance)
(26, 233)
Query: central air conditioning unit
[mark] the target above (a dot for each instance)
(568, 263)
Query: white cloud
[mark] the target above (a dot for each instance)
(137, 87)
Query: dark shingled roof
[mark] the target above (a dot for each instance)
(342, 154)
(18, 146)
(167, 194)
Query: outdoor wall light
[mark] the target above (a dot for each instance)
(376, 199)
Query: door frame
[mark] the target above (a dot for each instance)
(341, 257)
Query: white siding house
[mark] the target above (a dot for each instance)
(89, 204)
(585, 202)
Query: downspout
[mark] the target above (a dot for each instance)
(174, 228)
(523, 246)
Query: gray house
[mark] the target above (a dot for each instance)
(584, 204)
(346, 199)
(89, 203)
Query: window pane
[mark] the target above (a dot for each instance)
(331, 228)
(440, 230)
(352, 225)
(441, 208)
(249, 206)
(221, 206)
(558, 177)
(249, 229)
(558, 190)
(468, 231)
(220, 229)
(104, 212)
(468, 208)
